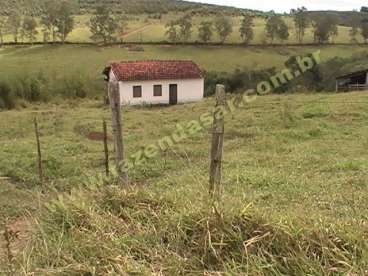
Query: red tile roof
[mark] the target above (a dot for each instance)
(156, 70)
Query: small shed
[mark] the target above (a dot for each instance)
(157, 81)
(353, 81)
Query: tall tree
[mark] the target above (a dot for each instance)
(64, 21)
(283, 32)
(2, 30)
(205, 31)
(324, 29)
(103, 25)
(29, 28)
(172, 32)
(14, 23)
(49, 17)
(246, 28)
(301, 22)
(364, 30)
(353, 32)
(185, 26)
(122, 25)
(276, 28)
(224, 27)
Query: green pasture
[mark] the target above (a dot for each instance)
(90, 60)
(295, 169)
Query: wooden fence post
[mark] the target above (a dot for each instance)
(106, 148)
(40, 171)
(115, 103)
(217, 143)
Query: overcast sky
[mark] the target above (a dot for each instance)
(286, 5)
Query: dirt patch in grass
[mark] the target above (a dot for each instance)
(97, 136)
(13, 237)
(87, 131)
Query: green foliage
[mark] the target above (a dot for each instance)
(172, 31)
(3, 29)
(29, 29)
(73, 87)
(223, 27)
(180, 29)
(238, 81)
(65, 20)
(246, 28)
(325, 29)
(301, 22)
(364, 30)
(14, 24)
(353, 32)
(185, 28)
(50, 16)
(41, 88)
(122, 25)
(276, 28)
(103, 25)
(205, 31)
(7, 99)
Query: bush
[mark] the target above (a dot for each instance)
(74, 86)
(7, 99)
(238, 81)
(320, 78)
(29, 88)
(38, 87)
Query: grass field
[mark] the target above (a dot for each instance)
(295, 180)
(90, 60)
(155, 30)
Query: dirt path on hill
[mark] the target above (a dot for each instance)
(140, 29)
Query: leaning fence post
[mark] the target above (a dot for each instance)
(106, 148)
(217, 142)
(40, 172)
(115, 103)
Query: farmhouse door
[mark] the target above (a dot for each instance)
(173, 97)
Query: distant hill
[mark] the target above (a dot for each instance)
(343, 18)
(155, 6)
(32, 7)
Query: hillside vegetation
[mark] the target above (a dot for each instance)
(34, 7)
(295, 180)
(153, 21)
(55, 73)
(145, 28)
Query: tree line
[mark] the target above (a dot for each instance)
(56, 21)
(324, 29)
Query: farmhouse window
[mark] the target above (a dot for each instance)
(137, 91)
(157, 90)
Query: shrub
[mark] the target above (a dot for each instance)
(73, 86)
(238, 81)
(7, 99)
(28, 88)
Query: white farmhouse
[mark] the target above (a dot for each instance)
(157, 81)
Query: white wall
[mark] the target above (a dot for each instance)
(191, 90)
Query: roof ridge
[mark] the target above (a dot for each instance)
(152, 60)
(156, 69)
